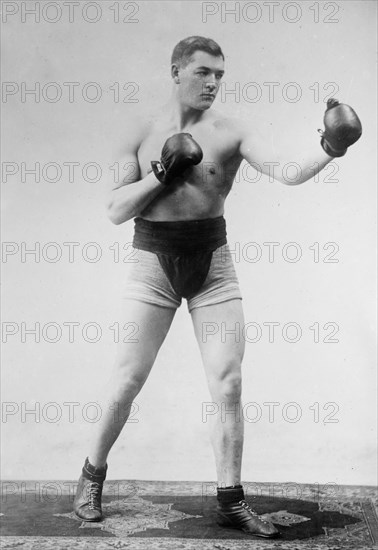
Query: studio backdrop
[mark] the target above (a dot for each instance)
(73, 74)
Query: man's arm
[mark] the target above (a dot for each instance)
(130, 198)
(342, 129)
(260, 153)
(132, 194)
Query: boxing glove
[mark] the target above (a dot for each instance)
(179, 152)
(342, 128)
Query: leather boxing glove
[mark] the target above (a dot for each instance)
(179, 152)
(342, 128)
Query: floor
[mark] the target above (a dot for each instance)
(180, 515)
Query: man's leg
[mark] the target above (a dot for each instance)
(219, 332)
(148, 326)
(136, 354)
(222, 355)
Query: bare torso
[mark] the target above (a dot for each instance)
(201, 191)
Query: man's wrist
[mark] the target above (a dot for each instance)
(159, 171)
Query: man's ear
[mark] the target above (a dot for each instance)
(175, 73)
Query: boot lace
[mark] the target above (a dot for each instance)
(247, 507)
(94, 496)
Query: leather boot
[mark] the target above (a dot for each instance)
(233, 512)
(87, 503)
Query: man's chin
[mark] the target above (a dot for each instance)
(201, 105)
(204, 105)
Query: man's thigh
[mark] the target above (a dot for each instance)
(219, 332)
(143, 328)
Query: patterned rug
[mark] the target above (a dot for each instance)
(181, 516)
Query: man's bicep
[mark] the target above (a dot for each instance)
(125, 171)
(258, 151)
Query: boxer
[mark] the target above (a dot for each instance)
(186, 158)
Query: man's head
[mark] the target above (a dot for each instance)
(197, 66)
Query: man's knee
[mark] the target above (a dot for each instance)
(226, 385)
(231, 388)
(131, 374)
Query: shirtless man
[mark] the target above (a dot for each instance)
(180, 240)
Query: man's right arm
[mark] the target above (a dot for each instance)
(129, 197)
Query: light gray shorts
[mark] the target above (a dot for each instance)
(146, 281)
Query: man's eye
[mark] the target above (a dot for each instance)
(219, 76)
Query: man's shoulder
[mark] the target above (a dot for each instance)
(227, 122)
(228, 128)
(132, 130)
(244, 127)
(139, 121)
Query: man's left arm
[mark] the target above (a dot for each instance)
(342, 129)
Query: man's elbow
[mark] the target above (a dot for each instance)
(286, 181)
(295, 178)
(116, 220)
(295, 174)
(118, 216)
(114, 214)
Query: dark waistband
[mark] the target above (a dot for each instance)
(180, 237)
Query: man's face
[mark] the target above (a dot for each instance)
(200, 80)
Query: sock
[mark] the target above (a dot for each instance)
(92, 473)
(233, 493)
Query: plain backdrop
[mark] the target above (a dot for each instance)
(322, 424)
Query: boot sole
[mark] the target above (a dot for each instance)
(230, 526)
(94, 520)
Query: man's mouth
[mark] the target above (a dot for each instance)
(208, 96)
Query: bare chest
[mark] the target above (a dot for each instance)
(220, 154)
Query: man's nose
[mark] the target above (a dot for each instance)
(211, 84)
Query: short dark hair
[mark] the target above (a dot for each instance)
(184, 50)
